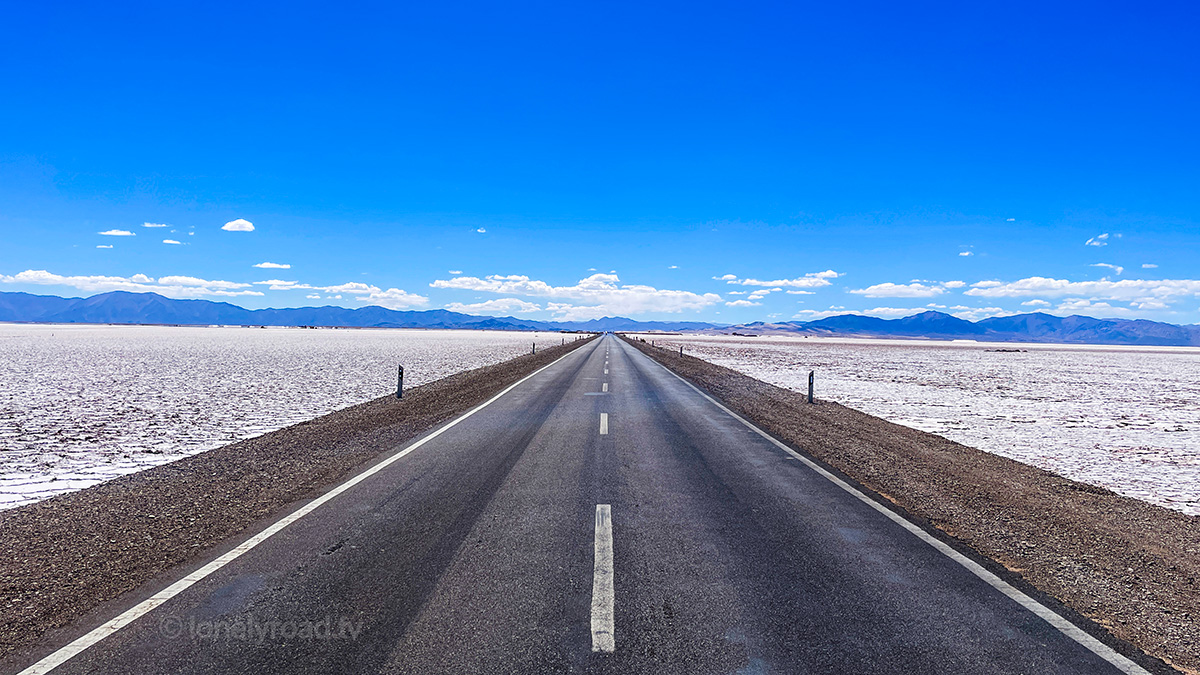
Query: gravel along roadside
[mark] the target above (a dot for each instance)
(1131, 567)
(69, 554)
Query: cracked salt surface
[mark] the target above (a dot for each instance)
(1124, 418)
(83, 404)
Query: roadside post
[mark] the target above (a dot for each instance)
(811, 376)
(400, 383)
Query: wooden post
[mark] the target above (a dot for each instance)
(400, 383)
(811, 375)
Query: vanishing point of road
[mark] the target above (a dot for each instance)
(599, 516)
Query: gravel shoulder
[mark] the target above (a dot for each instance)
(66, 556)
(1131, 567)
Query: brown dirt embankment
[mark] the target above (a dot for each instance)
(67, 555)
(1132, 567)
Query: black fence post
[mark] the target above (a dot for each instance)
(811, 376)
(400, 383)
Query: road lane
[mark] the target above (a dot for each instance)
(479, 552)
(803, 578)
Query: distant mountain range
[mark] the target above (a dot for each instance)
(1036, 327)
(121, 307)
(151, 308)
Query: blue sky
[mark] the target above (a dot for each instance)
(723, 162)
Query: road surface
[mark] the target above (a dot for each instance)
(601, 516)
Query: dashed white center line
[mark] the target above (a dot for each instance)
(606, 371)
(603, 639)
(605, 387)
(603, 424)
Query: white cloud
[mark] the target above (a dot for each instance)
(890, 312)
(455, 272)
(985, 284)
(171, 286)
(760, 293)
(673, 267)
(238, 225)
(117, 233)
(569, 312)
(742, 303)
(1149, 266)
(1035, 303)
(1116, 268)
(890, 290)
(104, 246)
(155, 225)
(499, 305)
(1092, 306)
(313, 296)
(954, 284)
(481, 230)
(194, 281)
(810, 280)
(392, 298)
(800, 292)
(352, 288)
(273, 266)
(1149, 304)
(1124, 290)
(880, 312)
(281, 285)
(1098, 240)
(172, 241)
(965, 253)
(602, 293)
(1010, 220)
(976, 313)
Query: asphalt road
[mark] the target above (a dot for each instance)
(482, 551)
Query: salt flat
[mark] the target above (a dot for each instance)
(1124, 418)
(83, 404)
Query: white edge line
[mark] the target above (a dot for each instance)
(1050, 616)
(603, 637)
(63, 654)
(603, 424)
